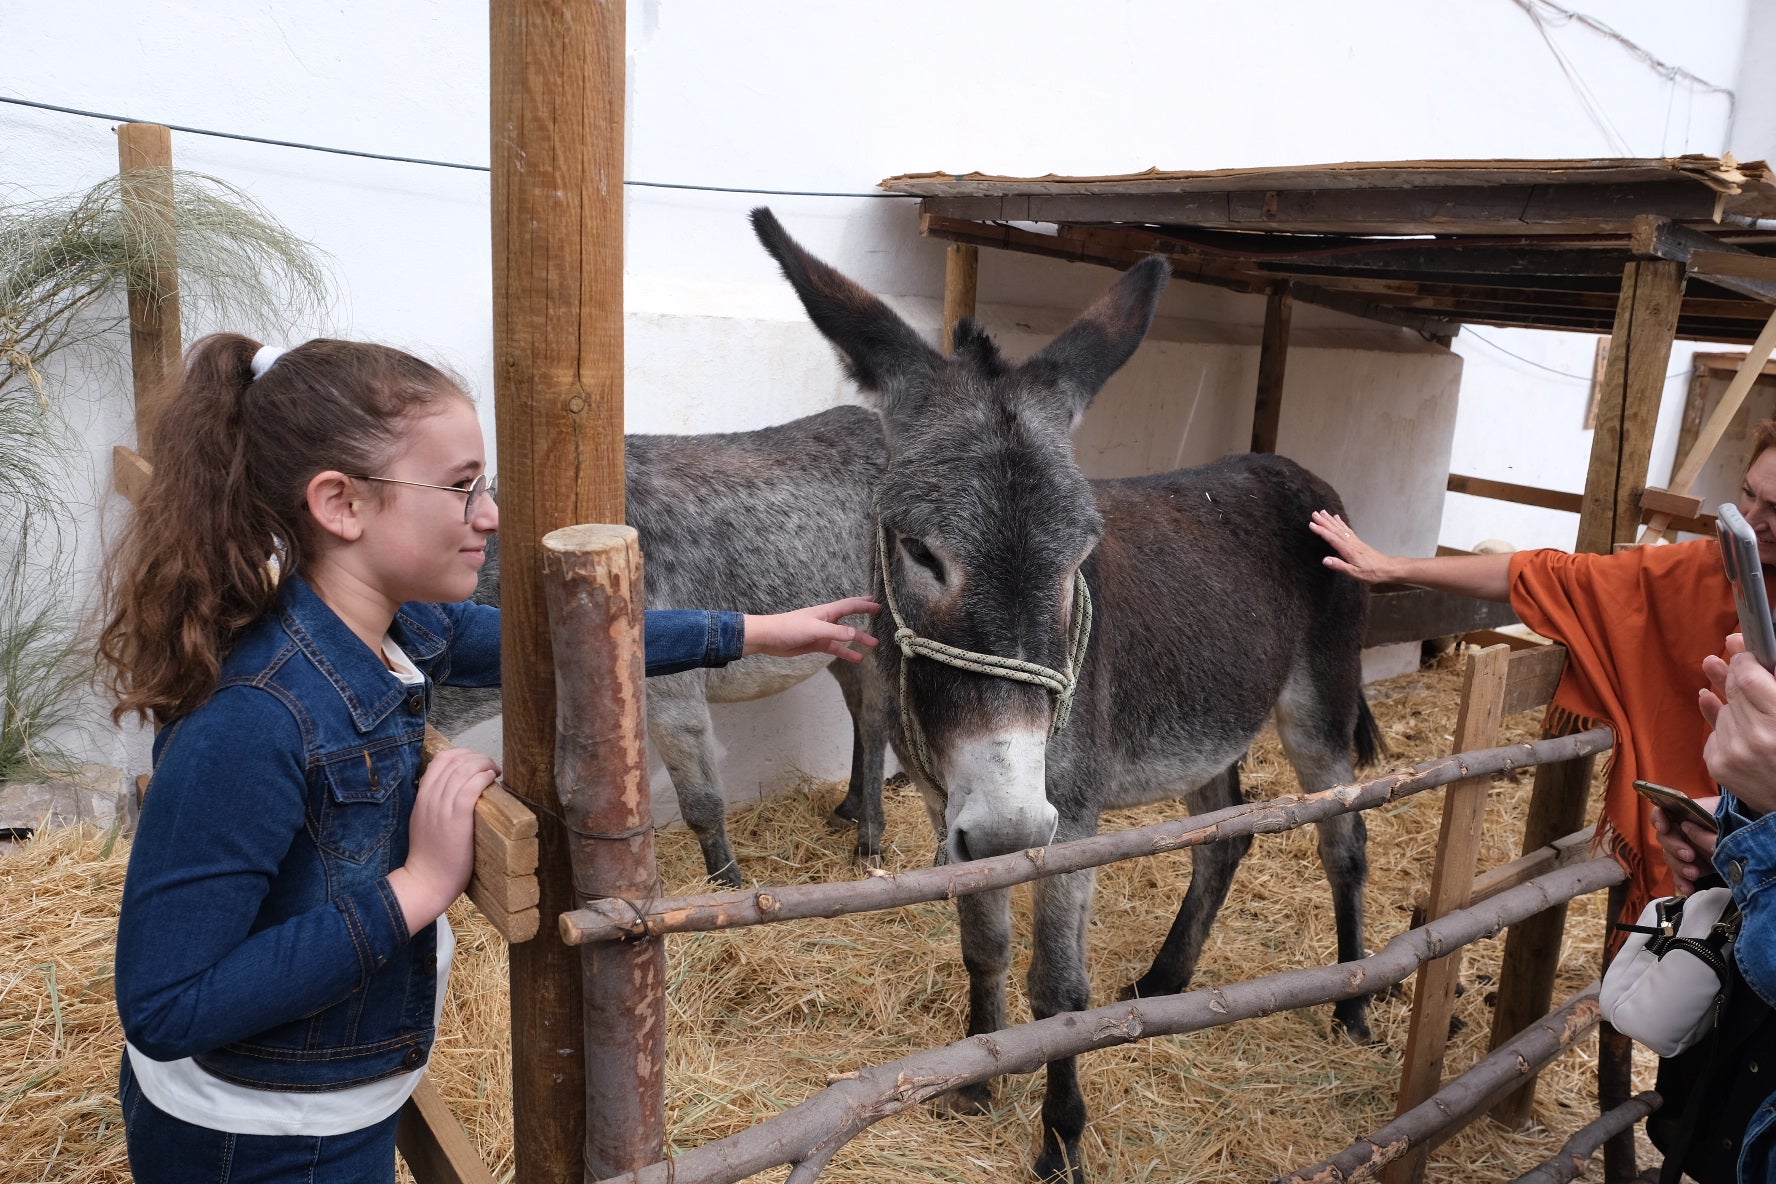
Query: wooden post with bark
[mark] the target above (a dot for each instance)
(145, 166)
(556, 89)
(961, 279)
(593, 580)
(1273, 359)
(1452, 882)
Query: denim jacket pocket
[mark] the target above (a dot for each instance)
(360, 801)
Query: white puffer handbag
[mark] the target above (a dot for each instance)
(1664, 987)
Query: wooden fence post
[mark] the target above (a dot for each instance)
(556, 90)
(961, 276)
(1273, 359)
(145, 163)
(1452, 882)
(1628, 405)
(593, 580)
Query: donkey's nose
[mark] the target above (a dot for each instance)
(999, 795)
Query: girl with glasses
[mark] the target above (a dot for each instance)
(290, 588)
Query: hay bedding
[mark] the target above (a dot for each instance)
(758, 1018)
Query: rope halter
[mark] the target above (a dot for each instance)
(1060, 684)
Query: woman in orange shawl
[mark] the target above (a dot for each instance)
(1637, 625)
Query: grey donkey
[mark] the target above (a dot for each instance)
(1153, 624)
(759, 522)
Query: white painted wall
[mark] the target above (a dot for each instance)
(816, 95)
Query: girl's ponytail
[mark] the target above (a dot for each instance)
(224, 515)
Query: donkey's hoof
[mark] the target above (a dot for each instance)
(966, 1102)
(843, 816)
(1354, 1030)
(1142, 989)
(1058, 1165)
(871, 864)
(727, 876)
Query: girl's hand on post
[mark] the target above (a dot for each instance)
(813, 630)
(441, 835)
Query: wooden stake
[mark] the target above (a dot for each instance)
(1452, 881)
(1750, 370)
(961, 276)
(145, 160)
(1532, 947)
(593, 579)
(1273, 357)
(556, 87)
(433, 1142)
(1634, 379)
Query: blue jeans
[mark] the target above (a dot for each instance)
(168, 1150)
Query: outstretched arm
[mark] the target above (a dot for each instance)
(813, 630)
(1486, 577)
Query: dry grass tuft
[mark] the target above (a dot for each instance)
(758, 1018)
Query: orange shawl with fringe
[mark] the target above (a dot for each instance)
(1636, 626)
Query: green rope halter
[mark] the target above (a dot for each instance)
(1060, 684)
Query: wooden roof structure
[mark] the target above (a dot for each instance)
(1429, 245)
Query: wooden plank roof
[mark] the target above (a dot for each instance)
(1426, 244)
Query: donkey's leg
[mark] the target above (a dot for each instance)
(1316, 720)
(869, 743)
(986, 951)
(1211, 875)
(678, 724)
(1057, 982)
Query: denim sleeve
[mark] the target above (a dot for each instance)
(474, 644)
(1746, 859)
(682, 639)
(197, 967)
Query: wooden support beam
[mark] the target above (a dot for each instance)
(145, 160)
(1557, 807)
(1695, 403)
(1706, 257)
(1273, 358)
(1452, 883)
(1670, 504)
(593, 576)
(1522, 495)
(961, 277)
(433, 1142)
(1709, 437)
(556, 87)
(1634, 379)
(1400, 613)
(1519, 209)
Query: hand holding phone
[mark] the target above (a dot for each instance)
(1739, 552)
(1679, 805)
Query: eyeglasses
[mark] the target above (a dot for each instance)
(473, 491)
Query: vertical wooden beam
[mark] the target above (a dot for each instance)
(1452, 882)
(961, 277)
(1273, 357)
(145, 162)
(557, 89)
(1634, 378)
(593, 579)
(1708, 437)
(1695, 403)
(1532, 946)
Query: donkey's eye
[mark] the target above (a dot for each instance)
(920, 554)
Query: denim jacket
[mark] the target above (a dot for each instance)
(259, 934)
(1746, 859)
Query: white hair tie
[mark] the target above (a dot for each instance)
(263, 360)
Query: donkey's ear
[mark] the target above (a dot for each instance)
(1081, 360)
(882, 353)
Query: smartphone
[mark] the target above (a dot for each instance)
(1677, 804)
(1739, 553)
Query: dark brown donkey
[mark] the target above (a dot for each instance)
(1062, 646)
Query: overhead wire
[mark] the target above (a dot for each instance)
(441, 164)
